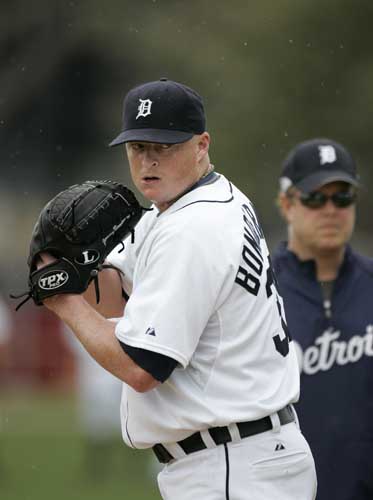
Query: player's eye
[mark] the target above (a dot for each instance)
(137, 146)
(163, 147)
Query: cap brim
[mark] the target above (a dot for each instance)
(319, 179)
(152, 135)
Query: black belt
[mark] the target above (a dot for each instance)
(221, 435)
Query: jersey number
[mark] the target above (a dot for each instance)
(282, 345)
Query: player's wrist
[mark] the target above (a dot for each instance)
(64, 304)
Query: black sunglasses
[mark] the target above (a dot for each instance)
(317, 199)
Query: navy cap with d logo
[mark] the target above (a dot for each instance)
(163, 111)
(316, 162)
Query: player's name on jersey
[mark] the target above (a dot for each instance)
(328, 351)
(251, 266)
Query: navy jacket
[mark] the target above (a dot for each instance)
(336, 358)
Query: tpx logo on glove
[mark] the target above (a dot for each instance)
(53, 279)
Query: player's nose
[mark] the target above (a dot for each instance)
(150, 158)
(330, 207)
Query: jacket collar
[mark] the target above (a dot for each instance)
(308, 267)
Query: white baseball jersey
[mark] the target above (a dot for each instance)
(203, 293)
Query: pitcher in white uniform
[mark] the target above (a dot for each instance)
(201, 344)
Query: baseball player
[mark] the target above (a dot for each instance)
(209, 370)
(324, 280)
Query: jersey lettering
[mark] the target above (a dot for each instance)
(252, 222)
(252, 260)
(253, 243)
(250, 270)
(248, 281)
(329, 351)
(281, 344)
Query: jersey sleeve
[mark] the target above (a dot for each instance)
(158, 365)
(176, 292)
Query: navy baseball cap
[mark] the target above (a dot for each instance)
(163, 111)
(314, 163)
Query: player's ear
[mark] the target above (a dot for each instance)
(203, 144)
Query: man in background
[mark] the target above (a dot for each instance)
(327, 289)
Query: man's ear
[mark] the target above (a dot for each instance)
(285, 203)
(203, 145)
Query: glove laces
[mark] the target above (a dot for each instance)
(28, 295)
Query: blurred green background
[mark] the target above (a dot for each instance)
(44, 456)
(272, 73)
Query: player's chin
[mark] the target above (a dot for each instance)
(331, 243)
(151, 190)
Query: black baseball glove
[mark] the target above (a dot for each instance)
(79, 227)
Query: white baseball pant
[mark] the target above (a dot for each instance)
(273, 465)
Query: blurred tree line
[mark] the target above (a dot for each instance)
(272, 73)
